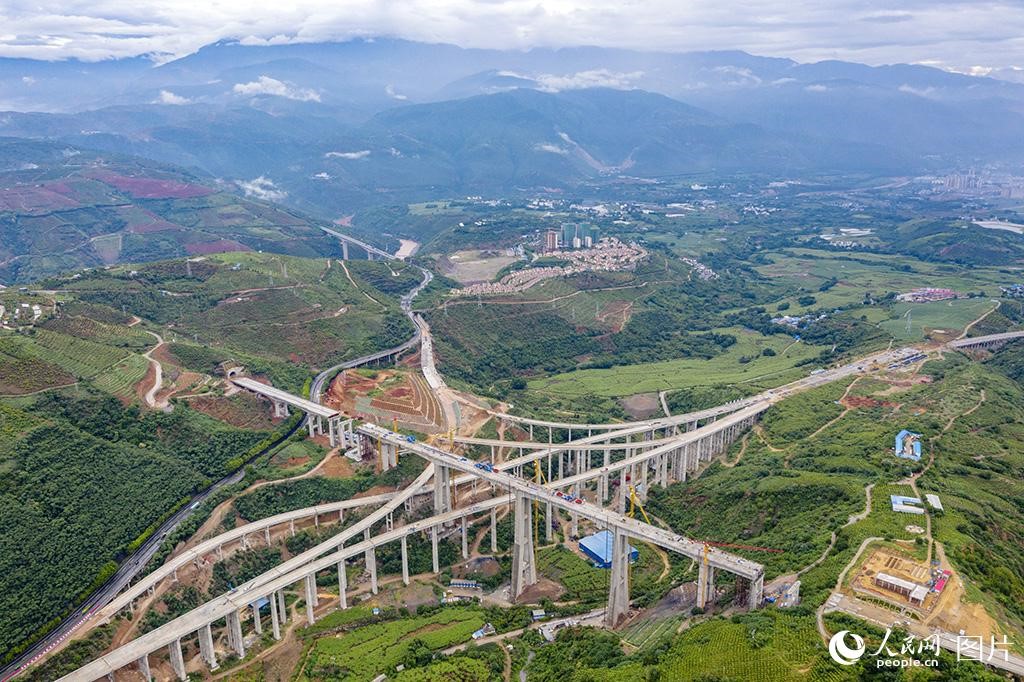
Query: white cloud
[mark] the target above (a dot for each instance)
(28, 80)
(740, 76)
(920, 92)
(168, 97)
(322, 176)
(262, 188)
(362, 154)
(958, 33)
(394, 152)
(266, 85)
(390, 91)
(595, 78)
(816, 88)
(553, 148)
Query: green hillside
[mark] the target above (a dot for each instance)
(77, 445)
(63, 209)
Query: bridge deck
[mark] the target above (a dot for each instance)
(610, 519)
(991, 338)
(286, 397)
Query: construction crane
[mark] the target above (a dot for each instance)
(634, 504)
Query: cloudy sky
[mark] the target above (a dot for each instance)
(961, 35)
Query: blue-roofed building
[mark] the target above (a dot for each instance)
(599, 548)
(907, 505)
(908, 445)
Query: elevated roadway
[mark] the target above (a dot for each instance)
(990, 341)
(197, 553)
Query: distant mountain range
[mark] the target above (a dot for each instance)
(338, 126)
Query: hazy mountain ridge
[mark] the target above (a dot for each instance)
(339, 126)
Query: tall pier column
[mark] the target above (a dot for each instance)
(494, 531)
(524, 564)
(756, 595)
(618, 588)
(177, 660)
(442, 490)
(433, 549)
(465, 539)
(310, 597)
(256, 622)
(371, 567)
(281, 606)
(144, 670)
(206, 647)
(275, 618)
(342, 585)
(405, 559)
(235, 640)
(705, 584)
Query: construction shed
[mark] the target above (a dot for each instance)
(599, 548)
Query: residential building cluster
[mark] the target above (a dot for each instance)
(607, 255)
(928, 294)
(703, 272)
(571, 236)
(1013, 291)
(19, 314)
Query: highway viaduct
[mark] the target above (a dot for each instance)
(520, 494)
(985, 342)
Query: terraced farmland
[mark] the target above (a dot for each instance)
(375, 649)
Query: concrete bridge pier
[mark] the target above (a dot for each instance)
(280, 409)
(256, 622)
(235, 640)
(281, 607)
(275, 623)
(388, 456)
(342, 585)
(405, 560)
(623, 494)
(618, 588)
(756, 595)
(433, 549)
(705, 584)
(177, 660)
(311, 597)
(524, 564)
(206, 647)
(371, 568)
(344, 250)
(442, 490)
(548, 524)
(144, 668)
(494, 531)
(465, 539)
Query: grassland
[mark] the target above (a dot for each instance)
(761, 371)
(948, 316)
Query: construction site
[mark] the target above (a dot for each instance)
(901, 581)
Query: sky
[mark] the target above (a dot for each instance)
(972, 37)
